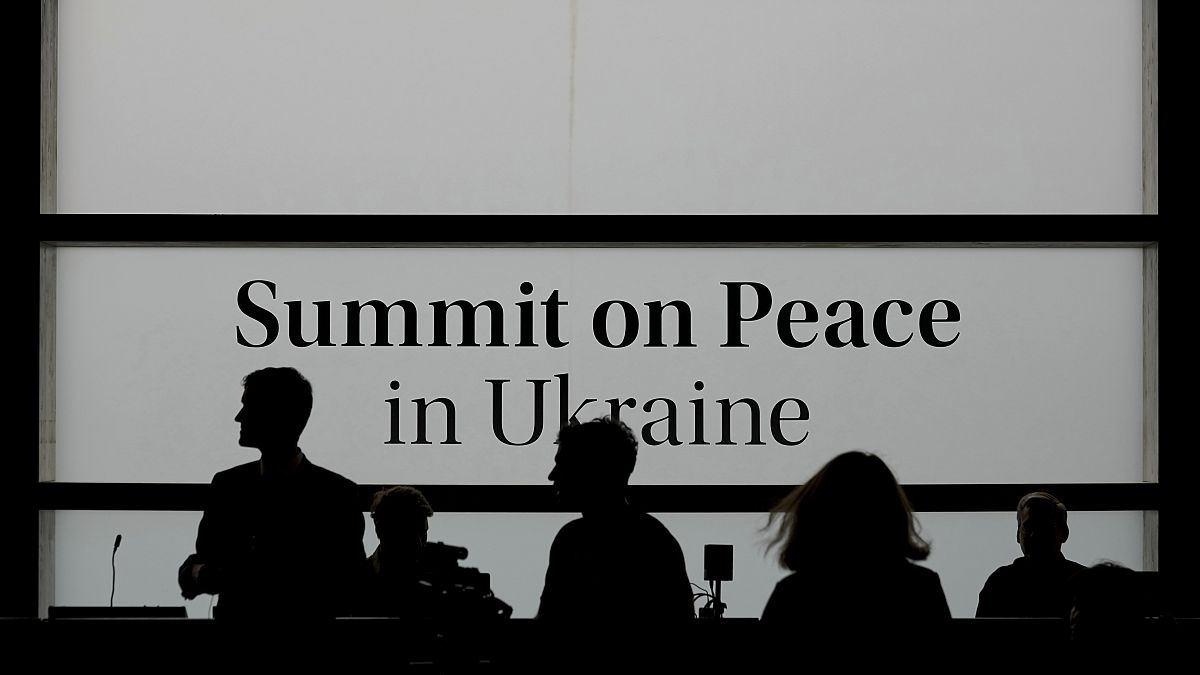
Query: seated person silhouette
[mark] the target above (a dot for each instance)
(1036, 584)
(401, 515)
(850, 538)
(1103, 602)
(1111, 607)
(280, 536)
(412, 578)
(615, 565)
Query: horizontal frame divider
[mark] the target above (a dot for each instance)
(960, 497)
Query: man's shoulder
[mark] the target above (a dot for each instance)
(1007, 571)
(333, 487)
(327, 477)
(634, 526)
(570, 538)
(649, 532)
(242, 473)
(651, 525)
(1072, 566)
(575, 528)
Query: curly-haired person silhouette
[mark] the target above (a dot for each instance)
(615, 563)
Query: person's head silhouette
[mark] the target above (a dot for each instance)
(1105, 603)
(401, 516)
(851, 510)
(593, 465)
(1041, 526)
(276, 403)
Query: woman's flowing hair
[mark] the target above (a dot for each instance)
(851, 510)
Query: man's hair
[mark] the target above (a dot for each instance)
(398, 503)
(606, 446)
(1060, 510)
(285, 392)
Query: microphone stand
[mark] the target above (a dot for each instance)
(116, 544)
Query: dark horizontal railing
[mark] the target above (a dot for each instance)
(653, 498)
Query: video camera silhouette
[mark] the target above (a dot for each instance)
(456, 591)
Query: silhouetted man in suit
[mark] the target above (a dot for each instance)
(616, 565)
(280, 536)
(1038, 583)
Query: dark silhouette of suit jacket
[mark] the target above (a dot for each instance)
(287, 548)
(1026, 588)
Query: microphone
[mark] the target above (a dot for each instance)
(116, 544)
